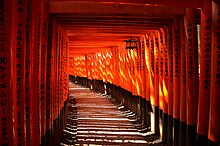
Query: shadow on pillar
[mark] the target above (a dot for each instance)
(155, 120)
(148, 113)
(182, 135)
(165, 127)
(170, 131)
(54, 135)
(190, 135)
(176, 130)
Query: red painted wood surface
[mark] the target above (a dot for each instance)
(170, 71)
(43, 64)
(28, 74)
(180, 3)
(35, 55)
(19, 30)
(160, 64)
(214, 118)
(191, 67)
(205, 69)
(7, 136)
(156, 67)
(147, 67)
(176, 68)
(165, 69)
(182, 73)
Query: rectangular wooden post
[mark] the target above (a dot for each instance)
(214, 118)
(205, 73)
(192, 80)
(7, 103)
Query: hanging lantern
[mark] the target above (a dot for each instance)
(131, 44)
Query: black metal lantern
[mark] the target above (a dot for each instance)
(131, 44)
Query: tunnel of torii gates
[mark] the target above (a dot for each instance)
(171, 81)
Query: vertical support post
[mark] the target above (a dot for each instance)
(28, 78)
(165, 84)
(156, 81)
(152, 78)
(192, 81)
(170, 86)
(176, 79)
(147, 78)
(7, 103)
(182, 135)
(43, 60)
(35, 56)
(49, 81)
(86, 64)
(160, 67)
(214, 118)
(143, 82)
(205, 73)
(19, 21)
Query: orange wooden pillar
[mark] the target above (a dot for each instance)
(87, 68)
(35, 56)
(161, 50)
(170, 86)
(43, 43)
(151, 72)
(7, 103)
(43, 61)
(147, 78)
(142, 80)
(66, 75)
(129, 74)
(176, 79)
(182, 135)
(129, 81)
(62, 84)
(28, 72)
(191, 76)
(164, 83)
(55, 46)
(59, 66)
(19, 30)
(160, 68)
(65, 83)
(66, 72)
(132, 74)
(135, 91)
(156, 81)
(49, 81)
(205, 73)
(53, 78)
(59, 58)
(214, 118)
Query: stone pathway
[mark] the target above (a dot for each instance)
(94, 120)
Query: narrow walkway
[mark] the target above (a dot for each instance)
(99, 122)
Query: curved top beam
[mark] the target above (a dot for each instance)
(175, 3)
(83, 7)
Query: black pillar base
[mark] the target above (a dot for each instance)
(201, 140)
(139, 108)
(148, 110)
(165, 125)
(176, 126)
(143, 111)
(191, 135)
(48, 138)
(212, 143)
(43, 140)
(157, 120)
(182, 135)
(170, 131)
